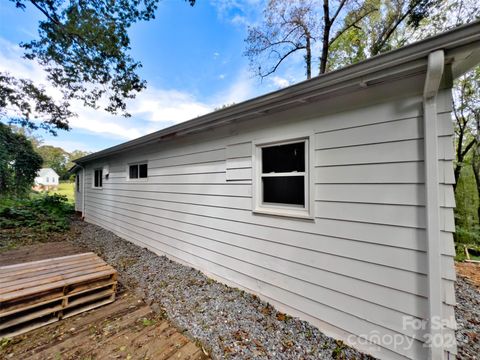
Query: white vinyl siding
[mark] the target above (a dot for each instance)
(357, 268)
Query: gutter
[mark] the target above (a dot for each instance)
(432, 83)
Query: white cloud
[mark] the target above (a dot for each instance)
(151, 110)
(221, 76)
(240, 20)
(243, 88)
(238, 12)
(280, 82)
(167, 105)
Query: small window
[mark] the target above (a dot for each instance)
(282, 180)
(77, 181)
(47, 179)
(138, 171)
(98, 178)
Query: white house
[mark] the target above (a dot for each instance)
(46, 178)
(332, 199)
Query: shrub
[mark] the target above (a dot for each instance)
(19, 163)
(464, 236)
(467, 236)
(42, 212)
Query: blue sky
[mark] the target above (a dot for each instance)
(192, 60)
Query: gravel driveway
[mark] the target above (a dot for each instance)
(232, 323)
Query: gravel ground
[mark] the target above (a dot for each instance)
(231, 323)
(228, 322)
(468, 319)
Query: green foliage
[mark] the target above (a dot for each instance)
(41, 212)
(84, 48)
(466, 199)
(66, 188)
(19, 163)
(5, 342)
(55, 158)
(467, 229)
(74, 155)
(28, 100)
(148, 322)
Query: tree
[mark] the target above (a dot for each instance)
(393, 14)
(464, 120)
(472, 108)
(83, 46)
(356, 28)
(55, 158)
(331, 15)
(31, 105)
(288, 27)
(390, 26)
(74, 155)
(19, 163)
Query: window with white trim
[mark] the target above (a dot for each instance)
(138, 171)
(282, 178)
(98, 178)
(77, 181)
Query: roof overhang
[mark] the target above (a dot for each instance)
(74, 168)
(462, 51)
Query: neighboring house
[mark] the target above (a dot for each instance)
(46, 179)
(332, 199)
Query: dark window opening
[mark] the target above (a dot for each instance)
(77, 178)
(133, 172)
(284, 190)
(283, 158)
(143, 170)
(138, 171)
(98, 178)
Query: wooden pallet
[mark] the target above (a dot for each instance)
(38, 293)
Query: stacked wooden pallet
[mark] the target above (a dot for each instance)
(38, 293)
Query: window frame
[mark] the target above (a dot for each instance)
(101, 178)
(137, 179)
(286, 210)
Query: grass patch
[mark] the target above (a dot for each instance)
(66, 189)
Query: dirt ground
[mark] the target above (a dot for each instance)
(471, 271)
(125, 329)
(38, 251)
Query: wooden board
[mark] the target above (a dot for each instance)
(37, 293)
(127, 328)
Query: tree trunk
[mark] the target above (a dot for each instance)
(476, 172)
(326, 36)
(308, 58)
(456, 172)
(459, 164)
(476, 163)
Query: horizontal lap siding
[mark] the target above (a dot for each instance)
(360, 266)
